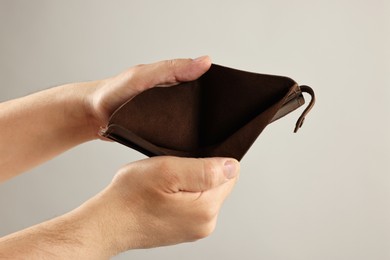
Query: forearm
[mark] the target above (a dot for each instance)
(38, 127)
(72, 236)
(99, 229)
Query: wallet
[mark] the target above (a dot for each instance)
(220, 114)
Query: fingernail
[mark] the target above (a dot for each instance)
(201, 58)
(230, 169)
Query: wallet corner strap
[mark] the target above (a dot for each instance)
(301, 119)
(293, 100)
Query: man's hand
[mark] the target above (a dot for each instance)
(107, 95)
(154, 202)
(167, 200)
(38, 127)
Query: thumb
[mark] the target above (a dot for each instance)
(170, 72)
(196, 175)
(115, 91)
(164, 73)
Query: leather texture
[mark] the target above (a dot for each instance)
(220, 114)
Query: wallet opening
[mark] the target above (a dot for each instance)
(220, 114)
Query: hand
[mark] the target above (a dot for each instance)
(107, 95)
(160, 201)
(154, 202)
(52, 121)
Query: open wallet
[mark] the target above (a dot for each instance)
(220, 114)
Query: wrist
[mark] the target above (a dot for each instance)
(79, 111)
(89, 228)
(107, 224)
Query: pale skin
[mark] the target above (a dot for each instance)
(154, 202)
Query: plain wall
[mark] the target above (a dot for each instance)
(323, 193)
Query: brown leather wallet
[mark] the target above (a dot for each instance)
(220, 114)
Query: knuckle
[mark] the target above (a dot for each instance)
(204, 231)
(210, 173)
(137, 67)
(171, 66)
(171, 180)
(167, 171)
(164, 165)
(209, 214)
(132, 74)
(122, 174)
(204, 221)
(135, 78)
(134, 71)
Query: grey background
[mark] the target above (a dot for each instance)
(323, 193)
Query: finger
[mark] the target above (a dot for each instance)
(194, 175)
(219, 194)
(206, 205)
(167, 73)
(207, 174)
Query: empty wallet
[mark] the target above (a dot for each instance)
(220, 114)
